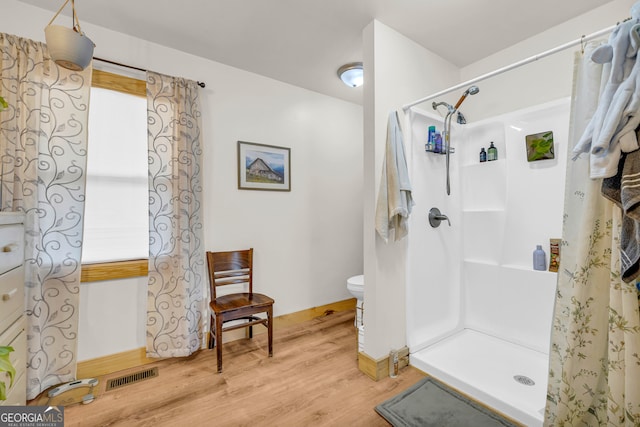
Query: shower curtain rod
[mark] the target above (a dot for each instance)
(514, 65)
(201, 84)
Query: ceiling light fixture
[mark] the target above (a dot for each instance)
(68, 47)
(351, 74)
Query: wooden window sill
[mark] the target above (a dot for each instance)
(114, 270)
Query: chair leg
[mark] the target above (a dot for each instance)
(270, 330)
(219, 343)
(212, 336)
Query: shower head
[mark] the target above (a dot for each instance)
(471, 91)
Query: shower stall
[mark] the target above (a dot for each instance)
(478, 315)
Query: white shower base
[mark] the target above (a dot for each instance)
(483, 367)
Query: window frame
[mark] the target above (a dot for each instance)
(118, 269)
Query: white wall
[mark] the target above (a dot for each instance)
(509, 206)
(397, 71)
(307, 241)
(544, 80)
(434, 261)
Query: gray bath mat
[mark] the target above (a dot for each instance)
(431, 403)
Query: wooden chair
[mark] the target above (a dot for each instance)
(236, 268)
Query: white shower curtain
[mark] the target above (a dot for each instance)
(594, 367)
(177, 298)
(43, 147)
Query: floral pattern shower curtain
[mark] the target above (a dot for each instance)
(177, 299)
(594, 367)
(43, 148)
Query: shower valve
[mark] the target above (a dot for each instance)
(436, 217)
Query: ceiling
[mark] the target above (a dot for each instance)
(304, 42)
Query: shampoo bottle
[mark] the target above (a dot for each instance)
(539, 259)
(483, 155)
(492, 152)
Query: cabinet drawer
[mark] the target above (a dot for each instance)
(11, 297)
(11, 246)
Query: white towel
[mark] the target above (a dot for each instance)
(611, 130)
(617, 134)
(394, 197)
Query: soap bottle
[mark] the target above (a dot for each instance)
(539, 259)
(437, 140)
(430, 140)
(483, 155)
(492, 152)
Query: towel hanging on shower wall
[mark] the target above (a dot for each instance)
(394, 196)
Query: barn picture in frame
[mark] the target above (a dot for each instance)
(263, 167)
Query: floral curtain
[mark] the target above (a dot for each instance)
(595, 343)
(177, 298)
(43, 148)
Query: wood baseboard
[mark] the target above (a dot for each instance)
(138, 357)
(374, 368)
(377, 369)
(311, 313)
(112, 363)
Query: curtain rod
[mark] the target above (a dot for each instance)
(201, 84)
(514, 65)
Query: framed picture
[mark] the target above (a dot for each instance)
(540, 146)
(263, 167)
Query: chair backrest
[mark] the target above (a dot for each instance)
(230, 268)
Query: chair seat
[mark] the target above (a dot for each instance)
(239, 302)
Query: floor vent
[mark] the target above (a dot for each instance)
(132, 378)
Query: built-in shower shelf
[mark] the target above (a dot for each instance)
(487, 165)
(482, 261)
(518, 267)
(528, 268)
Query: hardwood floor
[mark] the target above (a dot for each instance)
(312, 380)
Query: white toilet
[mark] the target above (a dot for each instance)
(355, 285)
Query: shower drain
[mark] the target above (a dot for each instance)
(524, 380)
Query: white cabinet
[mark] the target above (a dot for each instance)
(12, 303)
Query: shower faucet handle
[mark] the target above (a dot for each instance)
(436, 217)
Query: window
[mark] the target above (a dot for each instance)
(116, 242)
